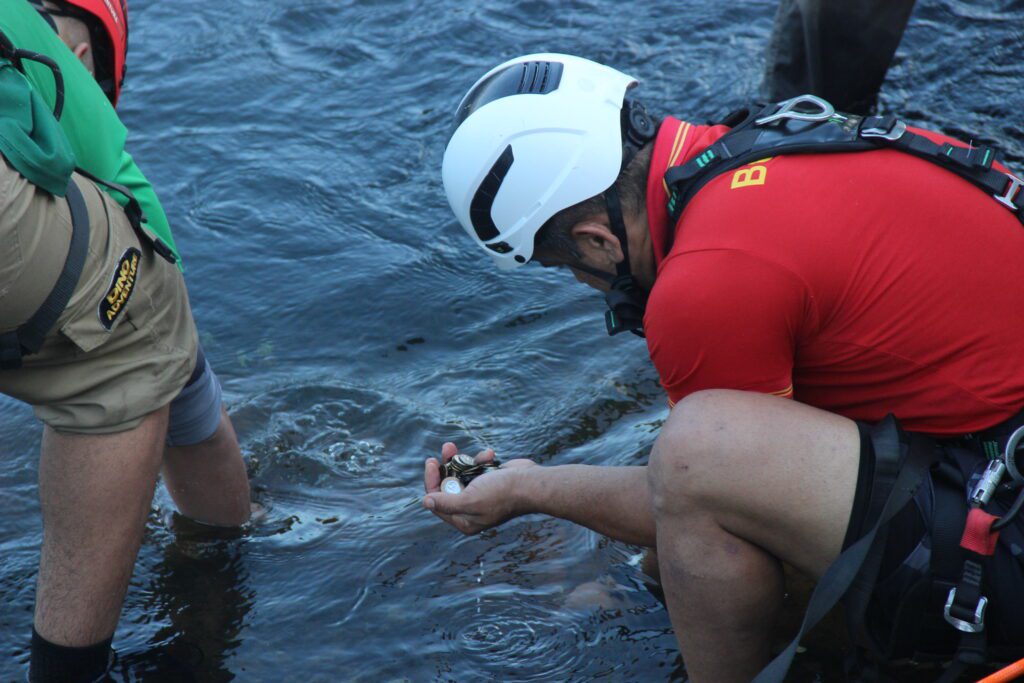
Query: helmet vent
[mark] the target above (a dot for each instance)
(524, 78)
(539, 78)
(500, 247)
(483, 199)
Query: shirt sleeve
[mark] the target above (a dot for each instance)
(724, 319)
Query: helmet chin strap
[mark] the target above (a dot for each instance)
(625, 297)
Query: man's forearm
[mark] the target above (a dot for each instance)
(613, 501)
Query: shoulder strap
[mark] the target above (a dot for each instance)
(28, 338)
(808, 124)
(783, 128)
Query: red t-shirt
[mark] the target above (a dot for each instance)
(861, 283)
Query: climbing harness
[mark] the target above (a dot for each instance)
(960, 543)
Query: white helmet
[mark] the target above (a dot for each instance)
(534, 136)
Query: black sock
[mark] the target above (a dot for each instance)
(51, 663)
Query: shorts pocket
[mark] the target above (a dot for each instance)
(99, 315)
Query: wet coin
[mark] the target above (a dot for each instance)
(467, 476)
(463, 461)
(451, 485)
(465, 469)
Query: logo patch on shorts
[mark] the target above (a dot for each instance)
(121, 287)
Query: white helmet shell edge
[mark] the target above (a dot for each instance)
(533, 136)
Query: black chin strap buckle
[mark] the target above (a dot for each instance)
(626, 302)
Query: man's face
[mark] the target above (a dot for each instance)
(597, 251)
(590, 280)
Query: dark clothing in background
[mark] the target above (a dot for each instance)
(836, 49)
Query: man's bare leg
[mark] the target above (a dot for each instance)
(96, 493)
(741, 481)
(208, 481)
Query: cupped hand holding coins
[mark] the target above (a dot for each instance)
(472, 493)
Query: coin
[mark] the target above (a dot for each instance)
(463, 461)
(465, 469)
(451, 485)
(469, 475)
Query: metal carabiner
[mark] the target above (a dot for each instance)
(1010, 454)
(982, 492)
(788, 110)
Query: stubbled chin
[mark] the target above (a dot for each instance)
(590, 281)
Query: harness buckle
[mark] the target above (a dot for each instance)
(975, 626)
(788, 110)
(884, 127)
(1006, 199)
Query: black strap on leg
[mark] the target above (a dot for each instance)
(947, 557)
(886, 446)
(842, 572)
(28, 338)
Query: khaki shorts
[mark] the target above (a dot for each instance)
(126, 343)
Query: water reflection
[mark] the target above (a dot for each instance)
(200, 591)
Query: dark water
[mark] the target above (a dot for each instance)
(297, 148)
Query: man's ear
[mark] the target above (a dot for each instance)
(596, 242)
(80, 51)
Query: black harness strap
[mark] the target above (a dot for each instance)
(133, 210)
(842, 572)
(754, 139)
(28, 338)
(886, 442)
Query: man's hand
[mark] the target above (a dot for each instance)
(489, 500)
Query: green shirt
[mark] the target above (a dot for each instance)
(94, 131)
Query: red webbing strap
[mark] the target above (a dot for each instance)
(978, 535)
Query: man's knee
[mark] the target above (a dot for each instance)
(688, 451)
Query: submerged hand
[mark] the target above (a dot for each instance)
(489, 500)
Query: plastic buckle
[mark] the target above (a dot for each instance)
(611, 323)
(981, 157)
(976, 626)
(968, 157)
(886, 128)
(161, 248)
(788, 110)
